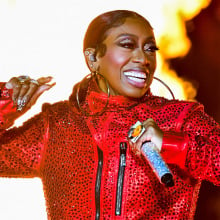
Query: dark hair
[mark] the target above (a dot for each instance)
(97, 29)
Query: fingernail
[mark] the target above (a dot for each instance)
(50, 86)
(19, 101)
(19, 107)
(24, 100)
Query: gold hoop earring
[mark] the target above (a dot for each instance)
(90, 77)
(159, 80)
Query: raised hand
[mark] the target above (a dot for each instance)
(26, 91)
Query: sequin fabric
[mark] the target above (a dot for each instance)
(59, 145)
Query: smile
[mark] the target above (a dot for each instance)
(136, 78)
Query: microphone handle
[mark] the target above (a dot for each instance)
(157, 163)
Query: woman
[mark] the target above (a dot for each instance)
(80, 148)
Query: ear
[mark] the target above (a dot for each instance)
(90, 57)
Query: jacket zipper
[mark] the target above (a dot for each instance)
(121, 171)
(98, 183)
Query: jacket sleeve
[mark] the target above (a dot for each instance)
(194, 145)
(21, 149)
(174, 148)
(8, 112)
(203, 151)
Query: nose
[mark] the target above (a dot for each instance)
(139, 56)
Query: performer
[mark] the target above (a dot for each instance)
(80, 147)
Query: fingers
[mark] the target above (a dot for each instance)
(152, 133)
(41, 89)
(16, 86)
(26, 90)
(44, 80)
(150, 129)
(136, 149)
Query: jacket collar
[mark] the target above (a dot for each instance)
(95, 100)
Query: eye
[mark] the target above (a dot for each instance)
(150, 48)
(127, 43)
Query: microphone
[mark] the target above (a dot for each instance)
(152, 155)
(157, 163)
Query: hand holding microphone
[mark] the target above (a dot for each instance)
(144, 135)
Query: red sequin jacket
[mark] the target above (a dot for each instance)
(79, 157)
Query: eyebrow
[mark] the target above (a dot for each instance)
(135, 36)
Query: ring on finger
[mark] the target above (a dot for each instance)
(34, 81)
(22, 102)
(23, 79)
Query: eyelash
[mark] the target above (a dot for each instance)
(130, 45)
(152, 49)
(127, 45)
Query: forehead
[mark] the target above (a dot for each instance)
(132, 26)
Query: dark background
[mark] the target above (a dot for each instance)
(201, 66)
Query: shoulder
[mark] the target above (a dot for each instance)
(58, 106)
(161, 102)
(174, 108)
(61, 110)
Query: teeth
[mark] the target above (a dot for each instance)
(136, 79)
(136, 74)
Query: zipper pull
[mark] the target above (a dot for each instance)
(121, 171)
(123, 148)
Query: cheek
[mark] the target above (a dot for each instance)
(116, 59)
(153, 63)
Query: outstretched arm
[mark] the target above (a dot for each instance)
(21, 149)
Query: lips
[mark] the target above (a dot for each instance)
(136, 78)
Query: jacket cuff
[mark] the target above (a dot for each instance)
(174, 148)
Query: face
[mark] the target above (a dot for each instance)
(130, 59)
